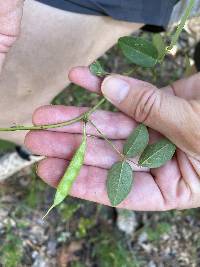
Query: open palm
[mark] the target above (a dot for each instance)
(174, 185)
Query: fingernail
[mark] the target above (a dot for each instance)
(115, 89)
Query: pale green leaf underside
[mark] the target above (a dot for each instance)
(139, 51)
(97, 70)
(157, 154)
(119, 182)
(137, 141)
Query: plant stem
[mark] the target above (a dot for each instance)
(123, 157)
(181, 25)
(88, 113)
(55, 125)
(107, 140)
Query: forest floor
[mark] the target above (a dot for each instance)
(83, 234)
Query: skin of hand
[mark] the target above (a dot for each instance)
(173, 111)
(10, 20)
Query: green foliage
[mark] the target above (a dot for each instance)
(77, 264)
(119, 182)
(11, 251)
(112, 253)
(84, 225)
(188, 67)
(157, 154)
(136, 142)
(154, 234)
(67, 210)
(32, 198)
(97, 69)
(160, 45)
(6, 146)
(139, 51)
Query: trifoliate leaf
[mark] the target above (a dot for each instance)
(137, 141)
(157, 154)
(97, 69)
(119, 182)
(139, 51)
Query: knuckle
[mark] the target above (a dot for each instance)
(6, 42)
(146, 103)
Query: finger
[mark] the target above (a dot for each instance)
(188, 88)
(172, 116)
(189, 168)
(91, 185)
(169, 180)
(106, 121)
(83, 77)
(62, 145)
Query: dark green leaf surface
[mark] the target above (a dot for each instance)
(139, 51)
(137, 141)
(97, 69)
(157, 154)
(119, 182)
(6, 146)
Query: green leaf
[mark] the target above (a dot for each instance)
(97, 69)
(160, 45)
(6, 146)
(139, 51)
(137, 141)
(157, 154)
(188, 67)
(119, 182)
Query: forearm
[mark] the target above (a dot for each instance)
(10, 20)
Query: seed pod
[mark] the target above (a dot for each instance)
(70, 174)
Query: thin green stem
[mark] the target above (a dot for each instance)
(55, 125)
(42, 127)
(123, 157)
(107, 140)
(88, 113)
(181, 25)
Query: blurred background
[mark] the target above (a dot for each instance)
(83, 234)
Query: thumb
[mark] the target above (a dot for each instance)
(170, 115)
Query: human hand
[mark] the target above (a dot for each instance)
(10, 19)
(175, 185)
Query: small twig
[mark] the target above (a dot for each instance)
(112, 145)
(88, 113)
(55, 125)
